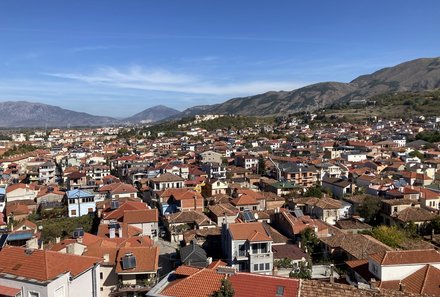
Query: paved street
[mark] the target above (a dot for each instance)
(167, 256)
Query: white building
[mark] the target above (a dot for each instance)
(43, 273)
(80, 202)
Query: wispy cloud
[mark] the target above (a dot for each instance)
(89, 48)
(139, 78)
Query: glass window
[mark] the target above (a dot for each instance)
(267, 266)
(261, 266)
(263, 248)
(255, 248)
(280, 291)
(255, 267)
(242, 250)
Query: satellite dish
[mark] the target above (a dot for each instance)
(40, 227)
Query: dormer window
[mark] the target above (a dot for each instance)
(280, 291)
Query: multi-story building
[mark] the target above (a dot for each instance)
(47, 172)
(80, 202)
(248, 247)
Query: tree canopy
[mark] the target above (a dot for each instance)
(225, 290)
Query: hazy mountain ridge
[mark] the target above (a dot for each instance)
(416, 75)
(31, 114)
(152, 114)
(413, 76)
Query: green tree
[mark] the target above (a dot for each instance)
(122, 151)
(370, 209)
(225, 290)
(309, 240)
(435, 224)
(303, 272)
(391, 236)
(314, 192)
(417, 154)
(261, 166)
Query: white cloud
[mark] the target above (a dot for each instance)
(139, 78)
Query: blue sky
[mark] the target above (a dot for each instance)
(117, 58)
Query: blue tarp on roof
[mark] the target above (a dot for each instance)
(20, 236)
(77, 193)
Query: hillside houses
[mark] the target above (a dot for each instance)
(235, 203)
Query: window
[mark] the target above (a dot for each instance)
(255, 248)
(242, 250)
(267, 266)
(263, 248)
(90, 209)
(34, 294)
(254, 208)
(101, 275)
(73, 212)
(280, 291)
(255, 267)
(261, 266)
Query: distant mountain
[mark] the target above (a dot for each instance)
(416, 75)
(29, 114)
(152, 114)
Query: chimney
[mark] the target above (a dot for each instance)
(79, 239)
(112, 232)
(332, 278)
(57, 239)
(120, 232)
(373, 284)
(275, 271)
(195, 202)
(401, 287)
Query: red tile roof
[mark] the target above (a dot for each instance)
(42, 265)
(141, 216)
(203, 282)
(254, 231)
(426, 280)
(147, 259)
(8, 291)
(406, 257)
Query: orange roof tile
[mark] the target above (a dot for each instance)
(147, 259)
(141, 216)
(42, 265)
(406, 257)
(249, 231)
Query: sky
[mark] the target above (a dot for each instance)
(117, 58)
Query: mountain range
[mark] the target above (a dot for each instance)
(416, 75)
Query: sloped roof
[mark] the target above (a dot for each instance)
(147, 259)
(406, 257)
(118, 188)
(426, 280)
(415, 214)
(42, 265)
(253, 231)
(141, 216)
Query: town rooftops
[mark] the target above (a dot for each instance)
(203, 282)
